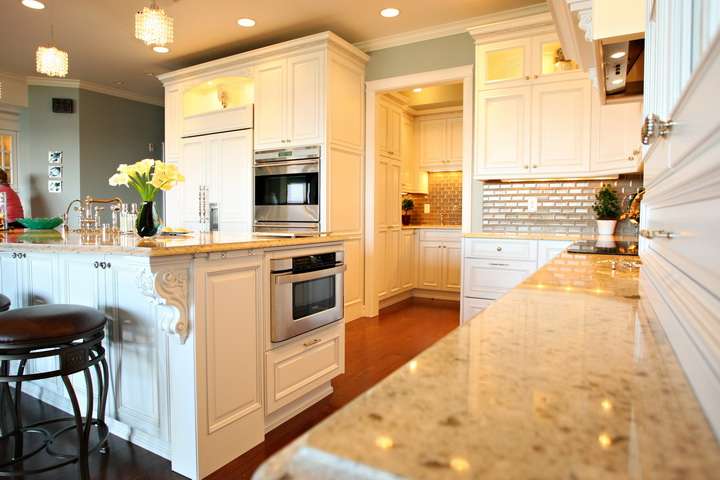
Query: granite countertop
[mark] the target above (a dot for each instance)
(543, 236)
(569, 375)
(72, 242)
(432, 227)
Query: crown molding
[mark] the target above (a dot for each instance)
(92, 87)
(447, 29)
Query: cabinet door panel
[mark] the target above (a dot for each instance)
(433, 143)
(193, 167)
(270, 104)
(472, 307)
(381, 134)
(304, 99)
(382, 174)
(502, 132)
(10, 278)
(231, 185)
(392, 201)
(409, 170)
(455, 142)
(549, 249)
(392, 260)
(503, 64)
(382, 274)
(430, 268)
(452, 253)
(616, 138)
(407, 259)
(40, 279)
(561, 127)
(491, 279)
(394, 123)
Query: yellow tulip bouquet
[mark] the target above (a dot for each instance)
(148, 177)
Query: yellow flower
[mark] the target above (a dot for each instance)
(165, 176)
(119, 179)
(143, 166)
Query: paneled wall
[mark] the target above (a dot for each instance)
(564, 206)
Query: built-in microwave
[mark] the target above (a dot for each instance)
(306, 293)
(287, 190)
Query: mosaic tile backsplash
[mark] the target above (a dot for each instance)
(444, 196)
(563, 206)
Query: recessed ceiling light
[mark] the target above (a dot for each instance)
(161, 49)
(34, 4)
(119, 83)
(389, 12)
(617, 55)
(246, 22)
(617, 81)
(417, 90)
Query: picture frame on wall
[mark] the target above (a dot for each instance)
(55, 156)
(54, 171)
(54, 186)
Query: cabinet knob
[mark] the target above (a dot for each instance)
(499, 249)
(527, 77)
(96, 264)
(654, 127)
(109, 265)
(535, 76)
(14, 255)
(535, 165)
(527, 167)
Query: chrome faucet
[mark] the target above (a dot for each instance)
(89, 216)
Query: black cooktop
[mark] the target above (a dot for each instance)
(604, 247)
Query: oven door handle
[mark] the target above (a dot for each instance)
(302, 277)
(281, 163)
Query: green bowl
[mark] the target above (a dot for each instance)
(40, 223)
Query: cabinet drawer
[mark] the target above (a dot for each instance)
(506, 249)
(472, 307)
(490, 279)
(431, 235)
(296, 369)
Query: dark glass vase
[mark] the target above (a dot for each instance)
(147, 223)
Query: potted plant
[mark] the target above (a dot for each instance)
(407, 206)
(147, 177)
(607, 210)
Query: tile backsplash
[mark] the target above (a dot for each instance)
(444, 196)
(564, 206)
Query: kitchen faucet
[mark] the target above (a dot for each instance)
(89, 216)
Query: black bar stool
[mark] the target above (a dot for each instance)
(73, 334)
(4, 303)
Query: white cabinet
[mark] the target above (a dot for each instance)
(616, 137)
(229, 343)
(407, 259)
(490, 279)
(289, 101)
(28, 279)
(472, 307)
(560, 127)
(413, 180)
(440, 142)
(223, 162)
(502, 132)
(549, 249)
(389, 129)
(439, 261)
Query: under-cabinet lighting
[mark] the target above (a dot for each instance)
(384, 442)
(389, 12)
(617, 55)
(160, 49)
(34, 4)
(550, 179)
(617, 81)
(417, 90)
(246, 22)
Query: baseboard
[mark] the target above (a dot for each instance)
(356, 310)
(400, 297)
(116, 427)
(287, 412)
(436, 294)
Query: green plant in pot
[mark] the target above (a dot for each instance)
(607, 210)
(407, 206)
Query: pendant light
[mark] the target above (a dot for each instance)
(153, 26)
(50, 60)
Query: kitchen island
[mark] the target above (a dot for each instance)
(194, 376)
(569, 375)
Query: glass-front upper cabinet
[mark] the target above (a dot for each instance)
(516, 62)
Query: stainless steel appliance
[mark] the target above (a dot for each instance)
(287, 196)
(306, 293)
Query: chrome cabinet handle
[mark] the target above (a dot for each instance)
(654, 127)
(499, 264)
(645, 233)
(312, 342)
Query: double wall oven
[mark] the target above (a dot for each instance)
(287, 196)
(306, 293)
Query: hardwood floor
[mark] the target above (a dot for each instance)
(375, 347)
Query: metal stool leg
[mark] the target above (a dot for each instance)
(8, 419)
(82, 459)
(18, 411)
(101, 371)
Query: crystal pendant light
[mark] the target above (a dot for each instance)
(51, 61)
(153, 27)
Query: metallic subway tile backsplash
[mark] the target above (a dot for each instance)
(564, 206)
(444, 196)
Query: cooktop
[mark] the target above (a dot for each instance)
(604, 247)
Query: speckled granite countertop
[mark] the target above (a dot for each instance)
(49, 241)
(568, 376)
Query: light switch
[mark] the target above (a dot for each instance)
(426, 208)
(532, 204)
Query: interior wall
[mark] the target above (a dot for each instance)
(115, 130)
(41, 131)
(435, 54)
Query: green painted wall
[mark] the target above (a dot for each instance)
(114, 130)
(435, 54)
(103, 132)
(41, 131)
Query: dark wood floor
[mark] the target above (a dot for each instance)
(375, 347)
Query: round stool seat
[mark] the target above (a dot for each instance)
(4, 303)
(48, 324)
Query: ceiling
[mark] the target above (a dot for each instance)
(98, 34)
(434, 96)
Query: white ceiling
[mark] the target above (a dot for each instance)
(98, 34)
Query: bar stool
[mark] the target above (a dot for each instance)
(4, 303)
(73, 335)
